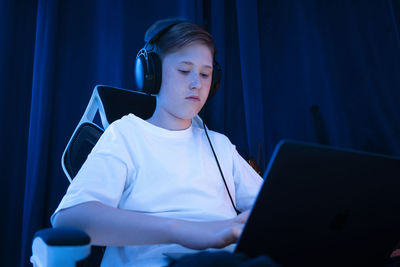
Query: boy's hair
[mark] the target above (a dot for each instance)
(178, 36)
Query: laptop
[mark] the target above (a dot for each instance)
(324, 206)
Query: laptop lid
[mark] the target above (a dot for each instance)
(323, 206)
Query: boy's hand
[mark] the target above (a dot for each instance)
(215, 234)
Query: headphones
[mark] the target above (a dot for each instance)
(148, 63)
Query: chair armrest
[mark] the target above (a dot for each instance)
(59, 247)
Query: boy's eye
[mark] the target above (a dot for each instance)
(204, 75)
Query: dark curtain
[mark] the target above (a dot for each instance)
(319, 71)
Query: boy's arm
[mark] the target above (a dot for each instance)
(108, 226)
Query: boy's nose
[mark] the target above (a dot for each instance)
(195, 81)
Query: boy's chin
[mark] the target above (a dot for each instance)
(189, 115)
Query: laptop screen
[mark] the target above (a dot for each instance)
(325, 206)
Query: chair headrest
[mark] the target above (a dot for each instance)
(118, 102)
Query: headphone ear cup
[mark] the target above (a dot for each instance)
(140, 72)
(148, 73)
(156, 72)
(216, 79)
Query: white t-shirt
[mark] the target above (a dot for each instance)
(141, 167)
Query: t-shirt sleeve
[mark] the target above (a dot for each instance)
(103, 175)
(247, 182)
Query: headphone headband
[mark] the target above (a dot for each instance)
(155, 34)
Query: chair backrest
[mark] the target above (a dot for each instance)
(82, 142)
(111, 103)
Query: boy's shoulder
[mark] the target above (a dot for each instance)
(216, 136)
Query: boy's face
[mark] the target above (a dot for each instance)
(186, 81)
